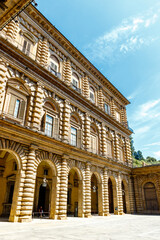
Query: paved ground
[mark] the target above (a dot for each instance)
(124, 227)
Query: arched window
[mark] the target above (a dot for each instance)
(75, 82)
(28, 42)
(50, 120)
(75, 131)
(15, 105)
(93, 139)
(54, 65)
(92, 94)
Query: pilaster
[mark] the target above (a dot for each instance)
(119, 195)
(29, 187)
(37, 108)
(87, 204)
(43, 52)
(67, 72)
(3, 80)
(66, 122)
(62, 214)
(85, 87)
(86, 132)
(106, 194)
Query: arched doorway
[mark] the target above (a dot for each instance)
(45, 191)
(9, 179)
(110, 193)
(43, 200)
(94, 195)
(150, 195)
(75, 195)
(124, 198)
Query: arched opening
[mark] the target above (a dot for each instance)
(150, 195)
(43, 200)
(45, 191)
(9, 179)
(94, 195)
(124, 198)
(74, 196)
(110, 192)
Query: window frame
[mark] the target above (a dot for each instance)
(92, 91)
(51, 112)
(94, 135)
(108, 108)
(15, 92)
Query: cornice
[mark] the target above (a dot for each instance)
(44, 74)
(13, 8)
(73, 51)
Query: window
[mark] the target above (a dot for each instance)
(17, 96)
(50, 120)
(49, 125)
(109, 148)
(121, 153)
(73, 136)
(118, 116)
(45, 172)
(26, 47)
(93, 140)
(16, 107)
(92, 94)
(75, 82)
(54, 65)
(107, 108)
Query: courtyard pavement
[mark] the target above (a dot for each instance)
(124, 227)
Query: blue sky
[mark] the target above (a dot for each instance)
(122, 39)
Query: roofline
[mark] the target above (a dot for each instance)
(106, 81)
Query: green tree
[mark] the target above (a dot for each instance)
(151, 159)
(132, 146)
(138, 155)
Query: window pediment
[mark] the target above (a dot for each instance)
(19, 86)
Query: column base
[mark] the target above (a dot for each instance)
(61, 217)
(13, 219)
(106, 214)
(25, 219)
(88, 216)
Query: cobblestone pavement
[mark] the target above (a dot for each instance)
(124, 227)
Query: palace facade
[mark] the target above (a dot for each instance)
(64, 136)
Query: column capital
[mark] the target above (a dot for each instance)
(33, 146)
(65, 156)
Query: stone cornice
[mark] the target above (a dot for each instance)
(153, 169)
(73, 51)
(13, 7)
(44, 74)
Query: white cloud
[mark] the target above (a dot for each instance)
(141, 130)
(157, 154)
(153, 144)
(147, 111)
(130, 35)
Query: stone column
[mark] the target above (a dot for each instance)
(87, 181)
(119, 195)
(29, 187)
(37, 108)
(66, 122)
(117, 155)
(67, 72)
(106, 194)
(43, 52)
(112, 108)
(103, 137)
(3, 79)
(85, 86)
(128, 152)
(131, 195)
(63, 189)
(11, 30)
(86, 132)
(100, 99)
